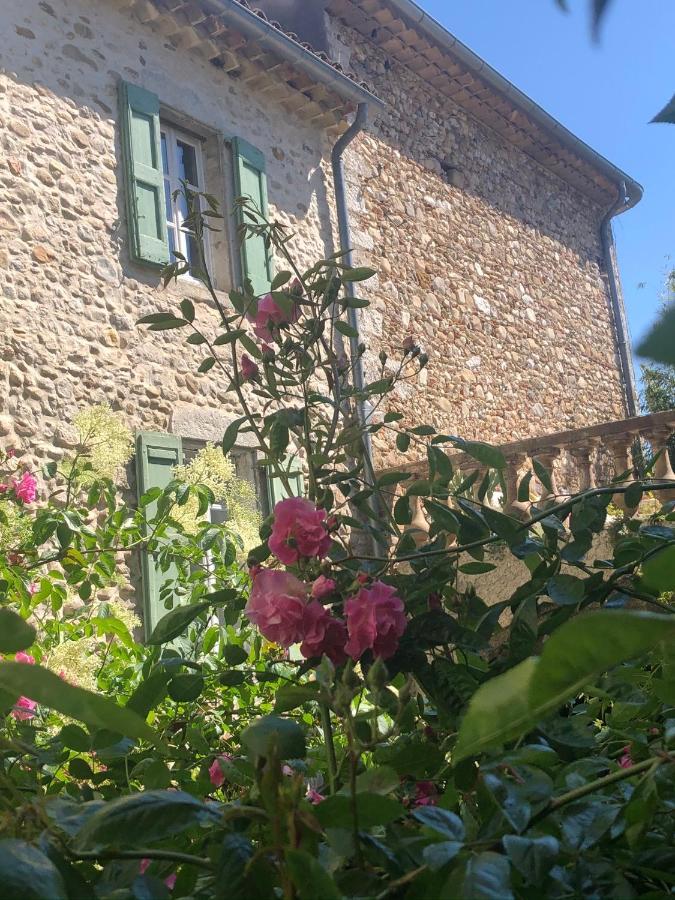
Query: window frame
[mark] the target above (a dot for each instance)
(172, 134)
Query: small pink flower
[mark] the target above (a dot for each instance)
(375, 620)
(363, 578)
(323, 634)
(170, 881)
(11, 453)
(314, 796)
(3, 488)
(22, 657)
(626, 761)
(26, 488)
(426, 794)
(216, 773)
(24, 709)
(269, 318)
(299, 531)
(277, 606)
(144, 865)
(249, 370)
(286, 770)
(322, 587)
(33, 588)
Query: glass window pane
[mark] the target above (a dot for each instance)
(165, 155)
(167, 201)
(187, 163)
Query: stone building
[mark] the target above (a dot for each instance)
(488, 222)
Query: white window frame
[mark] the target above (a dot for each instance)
(172, 135)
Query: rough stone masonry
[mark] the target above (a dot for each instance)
(492, 262)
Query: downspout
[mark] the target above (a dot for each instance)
(345, 233)
(621, 204)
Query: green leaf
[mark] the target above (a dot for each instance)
(94, 710)
(373, 810)
(566, 590)
(27, 874)
(272, 733)
(235, 854)
(441, 821)
(196, 339)
(667, 114)
(658, 572)
(392, 478)
(476, 568)
(156, 318)
(310, 878)
(362, 273)
(175, 622)
(280, 279)
(378, 780)
(143, 819)
(438, 855)
(488, 877)
(233, 678)
(659, 344)
(206, 365)
(235, 655)
(188, 309)
(292, 695)
(150, 692)
(633, 495)
(511, 704)
(347, 330)
(485, 453)
(75, 738)
(15, 633)
(186, 687)
(542, 474)
(532, 857)
(402, 442)
(167, 324)
(80, 769)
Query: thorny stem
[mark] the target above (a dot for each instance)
(330, 745)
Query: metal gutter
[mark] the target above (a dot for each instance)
(436, 31)
(618, 307)
(266, 35)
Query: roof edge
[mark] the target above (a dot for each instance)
(267, 35)
(440, 34)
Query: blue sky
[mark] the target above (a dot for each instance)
(606, 94)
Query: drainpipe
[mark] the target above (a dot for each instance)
(621, 204)
(344, 227)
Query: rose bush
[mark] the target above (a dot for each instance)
(342, 719)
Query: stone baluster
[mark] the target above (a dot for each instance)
(583, 456)
(547, 458)
(663, 470)
(513, 476)
(419, 527)
(620, 449)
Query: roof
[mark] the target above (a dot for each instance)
(414, 39)
(239, 38)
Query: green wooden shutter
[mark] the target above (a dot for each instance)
(250, 178)
(276, 490)
(144, 175)
(156, 455)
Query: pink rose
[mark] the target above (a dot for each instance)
(24, 658)
(269, 318)
(277, 606)
(170, 881)
(375, 620)
(426, 794)
(249, 369)
(323, 634)
(216, 773)
(314, 796)
(299, 530)
(322, 587)
(26, 489)
(626, 761)
(24, 709)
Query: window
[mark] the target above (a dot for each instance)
(182, 161)
(245, 467)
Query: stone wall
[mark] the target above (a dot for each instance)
(489, 260)
(70, 295)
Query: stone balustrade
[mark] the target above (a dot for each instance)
(575, 461)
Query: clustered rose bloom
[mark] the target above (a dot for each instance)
(322, 587)
(277, 606)
(270, 317)
(26, 488)
(375, 621)
(299, 531)
(324, 635)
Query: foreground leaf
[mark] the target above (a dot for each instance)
(93, 709)
(272, 734)
(310, 878)
(174, 623)
(15, 633)
(512, 704)
(488, 877)
(142, 819)
(27, 874)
